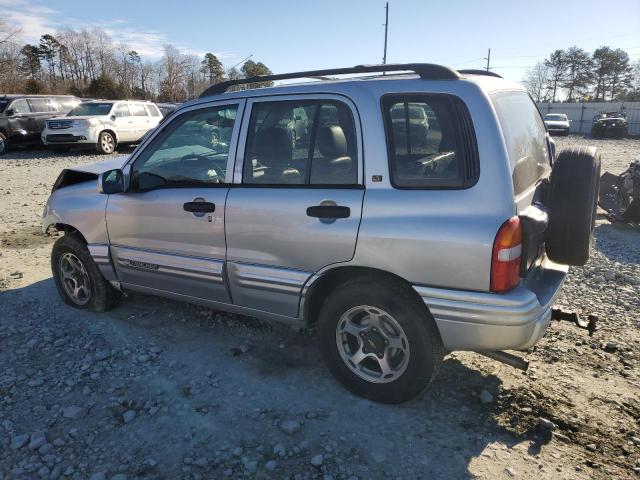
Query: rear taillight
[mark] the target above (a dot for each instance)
(505, 260)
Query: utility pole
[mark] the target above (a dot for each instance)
(488, 59)
(386, 28)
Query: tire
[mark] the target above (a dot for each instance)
(106, 143)
(99, 295)
(572, 202)
(418, 333)
(4, 143)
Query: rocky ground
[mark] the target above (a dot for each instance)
(158, 389)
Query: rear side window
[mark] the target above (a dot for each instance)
(137, 110)
(525, 137)
(430, 142)
(66, 104)
(153, 111)
(301, 143)
(41, 105)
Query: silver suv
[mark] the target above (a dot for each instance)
(101, 124)
(419, 213)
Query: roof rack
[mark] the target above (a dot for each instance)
(486, 73)
(424, 70)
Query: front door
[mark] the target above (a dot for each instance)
(167, 233)
(21, 125)
(294, 208)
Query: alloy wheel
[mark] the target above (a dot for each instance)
(372, 344)
(74, 278)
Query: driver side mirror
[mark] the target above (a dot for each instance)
(10, 112)
(113, 118)
(111, 181)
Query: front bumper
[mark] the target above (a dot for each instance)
(515, 320)
(70, 136)
(558, 130)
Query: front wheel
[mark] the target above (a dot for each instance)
(77, 278)
(106, 143)
(379, 341)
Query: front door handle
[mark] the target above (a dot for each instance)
(199, 207)
(328, 211)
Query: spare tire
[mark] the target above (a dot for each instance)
(572, 201)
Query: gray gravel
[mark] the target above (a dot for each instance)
(158, 389)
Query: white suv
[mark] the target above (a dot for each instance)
(101, 124)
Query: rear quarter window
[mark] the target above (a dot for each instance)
(430, 141)
(525, 138)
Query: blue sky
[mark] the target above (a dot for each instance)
(290, 35)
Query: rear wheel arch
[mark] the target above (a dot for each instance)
(322, 287)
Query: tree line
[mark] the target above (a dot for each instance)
(88, 63)
(575, 75)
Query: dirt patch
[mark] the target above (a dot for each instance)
(24, 238)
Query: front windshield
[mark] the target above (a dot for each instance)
(555, 117)
(93, 108)
(3, 104)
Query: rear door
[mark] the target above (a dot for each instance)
(125, 125)
(41, 110)
(295, 207)
(167, 233)
(141, 120)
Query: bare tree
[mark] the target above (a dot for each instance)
(536, 81)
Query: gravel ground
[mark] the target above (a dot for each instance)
(158, 389)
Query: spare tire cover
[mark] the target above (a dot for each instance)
(572, 201)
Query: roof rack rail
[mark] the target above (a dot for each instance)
(425, 70)
(486, 73)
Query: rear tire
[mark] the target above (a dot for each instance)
(406, 342)
(74, 269)
(572, 201)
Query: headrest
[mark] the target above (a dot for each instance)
(331, 141)
(273, 142)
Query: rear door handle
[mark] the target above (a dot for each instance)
(328, 211)
(199, 207)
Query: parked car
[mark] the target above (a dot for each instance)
(167, 108)
(557, 123)
(413, 117)
(610, 124)
(458, 242)
(23, 117)
(101, 124)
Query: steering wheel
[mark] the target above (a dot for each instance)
(193, 159)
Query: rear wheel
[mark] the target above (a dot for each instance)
(572, 201)
(4, 143)
(378, 340)
(78, 279)
(106, 143)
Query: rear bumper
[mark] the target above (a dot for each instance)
(515, 320)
